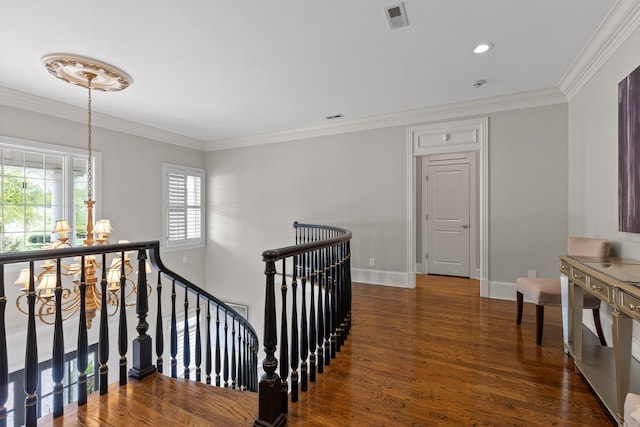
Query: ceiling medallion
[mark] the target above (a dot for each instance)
(80, 70)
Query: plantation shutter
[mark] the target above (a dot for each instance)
(184, 194)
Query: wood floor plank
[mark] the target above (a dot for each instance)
(437, 355)
(441, 355)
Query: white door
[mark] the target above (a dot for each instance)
(448, 226)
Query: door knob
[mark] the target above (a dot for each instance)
(465, 226)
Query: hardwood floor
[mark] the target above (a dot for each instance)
(437, 355)
(440, 355)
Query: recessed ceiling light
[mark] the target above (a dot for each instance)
(483, 47)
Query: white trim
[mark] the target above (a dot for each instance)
(479, 143)
(36, 104)
(388, 278)
(620, 22)
(530, 99)
(186, 243)
(69, 153)
(501, 290)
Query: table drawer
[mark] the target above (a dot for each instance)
(565, 268)
(578, 276)
(629, 304)
(601, 289)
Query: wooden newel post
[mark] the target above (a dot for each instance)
(269, 389)
(142, 347)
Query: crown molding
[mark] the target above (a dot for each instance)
(36, 104)
(536, 98)
(622, 20)
(494, 104)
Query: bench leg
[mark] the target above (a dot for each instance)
(539, 322)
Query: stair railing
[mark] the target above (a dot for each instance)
(238, 366)
(319, 265)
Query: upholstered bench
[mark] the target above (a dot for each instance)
(543, 292)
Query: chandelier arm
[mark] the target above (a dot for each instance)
(18, 305)
(45, 311)
(130, 293)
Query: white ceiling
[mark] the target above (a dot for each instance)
(213, 70)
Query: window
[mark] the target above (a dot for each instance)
(15, 401)
(40, 184)
(183, 206)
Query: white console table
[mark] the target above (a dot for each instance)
(611, 371)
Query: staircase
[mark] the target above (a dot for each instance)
(77, 284)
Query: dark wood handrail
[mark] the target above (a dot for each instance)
(321, 258)
(245, 339)
(289, 251)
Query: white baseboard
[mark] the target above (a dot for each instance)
(501, 290)
(387, 278)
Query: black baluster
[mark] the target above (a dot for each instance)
(57, 362)
(142, 345)
(226, 351)
(218, 367)
(159, 329)
(123, 339)
(207, 363)
(294, 332)
(335, 304)
(233, 351)
(198, 342)
(186, 342)
(347, 292)
(320, 283)
(328, 332)
(103, 341)
(312, 319)
(284, 343)
(270, 406)
(254, 364)
(4, 360)
(83, 343)
(174, 333)
(304, 334)
(245, 366)
(31, 357)
(239, 365)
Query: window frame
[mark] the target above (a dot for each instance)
(68, 154)
(185, 243)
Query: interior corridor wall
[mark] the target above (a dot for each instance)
(359, 181)
(131, 177)
(593, 160)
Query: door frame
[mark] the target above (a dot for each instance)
(442, 138)
(470, 160)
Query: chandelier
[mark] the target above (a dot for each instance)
(89, 74)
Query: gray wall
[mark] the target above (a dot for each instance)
(528, 192)
(131, 177)
(593, 160)
(359, 181)
(255, 194)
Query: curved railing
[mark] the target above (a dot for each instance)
(97, 287)
(320, 264)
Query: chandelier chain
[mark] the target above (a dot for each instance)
(90, 162)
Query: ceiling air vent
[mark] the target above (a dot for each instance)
(397, 16)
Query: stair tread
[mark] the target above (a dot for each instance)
(159, 400)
